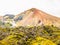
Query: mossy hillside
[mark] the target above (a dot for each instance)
(46, 35)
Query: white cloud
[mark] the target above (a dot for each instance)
(18, 6)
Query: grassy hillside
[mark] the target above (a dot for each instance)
(46, 35)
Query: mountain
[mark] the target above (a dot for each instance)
(35, 17)
(11, 16)
(31, 17)
(7, 20)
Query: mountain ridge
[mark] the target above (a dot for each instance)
(37, 14)
(31, 17)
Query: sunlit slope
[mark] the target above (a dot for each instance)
(35, 17)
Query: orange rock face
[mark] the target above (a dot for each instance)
(35, 17)
(1, 17)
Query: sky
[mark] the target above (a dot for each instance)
(17, 6)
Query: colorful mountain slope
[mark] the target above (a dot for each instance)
(35, 17)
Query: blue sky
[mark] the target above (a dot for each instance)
(17, 6)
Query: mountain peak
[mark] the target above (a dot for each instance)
(37, 17)
(33, 9)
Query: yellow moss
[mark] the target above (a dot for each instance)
(42, 41)
(9, 40)
(30, 26)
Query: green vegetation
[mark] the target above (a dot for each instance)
(7, 25)
(46, 35)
